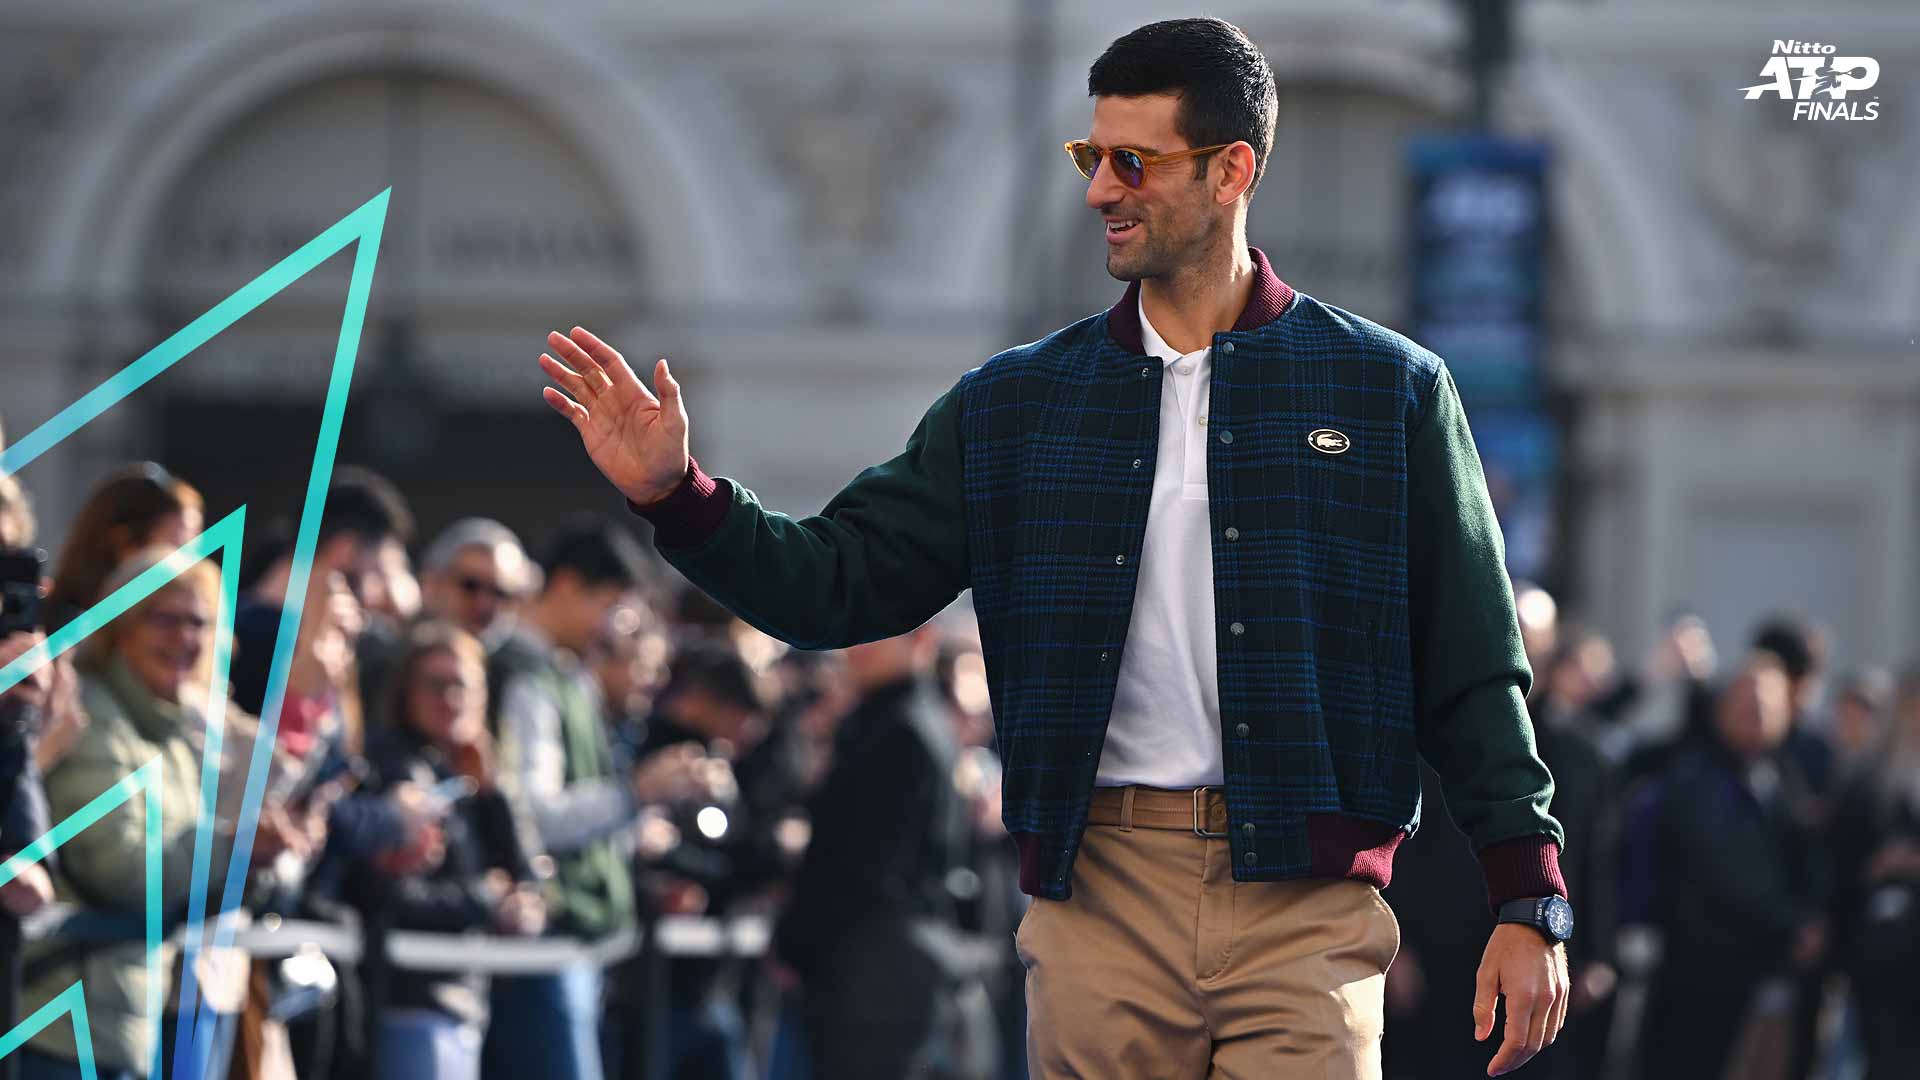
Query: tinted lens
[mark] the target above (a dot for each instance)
(1086, 158)
(1128, 167)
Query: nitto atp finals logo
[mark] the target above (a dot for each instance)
(1800, 71)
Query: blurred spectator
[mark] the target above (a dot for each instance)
(871, 931)
(144, 682)
(1667, 704)
(434, 737)
(629, 659)
(1539, 623)
(51, 690)
(135, 506)
(1566, 715)
(717, 707)
(1737, 886)
(1802, 648)
(1860, 722)
(558, 769)
(475, 573)
(1875, 839)
(364, 518)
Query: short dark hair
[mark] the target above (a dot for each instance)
(596, 551)
(711, 662)
(1800, 645)
(367, 505)
(1224, 82)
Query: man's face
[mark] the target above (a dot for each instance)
(579, 609)
(1755, 711)
(472, 590)
(1177, 217)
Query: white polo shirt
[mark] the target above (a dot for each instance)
(1164, 730)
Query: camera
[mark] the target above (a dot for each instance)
(20, 573)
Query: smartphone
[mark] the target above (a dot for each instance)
(442, 796)
(20, 572)
(353, 769)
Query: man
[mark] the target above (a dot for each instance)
(871, 929)
(364, 527)
(557, 769)
(1213, 426)
(474, 573)
(1737, 904)
(715, 704)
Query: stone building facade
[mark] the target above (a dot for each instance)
(823, 213)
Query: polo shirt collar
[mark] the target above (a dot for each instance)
(1269, 300)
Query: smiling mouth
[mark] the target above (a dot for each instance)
(1116, 228)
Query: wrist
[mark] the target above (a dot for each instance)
(686, 514)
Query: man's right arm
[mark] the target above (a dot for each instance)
(885, 555)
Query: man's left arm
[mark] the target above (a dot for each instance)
(1470, 683)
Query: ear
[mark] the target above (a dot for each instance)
(1236, 172)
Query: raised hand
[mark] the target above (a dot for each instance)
(637, 440)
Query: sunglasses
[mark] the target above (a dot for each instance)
(1129, 165)
(474, 586)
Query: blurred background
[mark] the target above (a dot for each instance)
(1683, 321)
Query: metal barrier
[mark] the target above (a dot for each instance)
(667, 938)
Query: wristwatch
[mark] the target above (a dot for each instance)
(1551, 915)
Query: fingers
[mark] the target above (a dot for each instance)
(605, 355)
(588, 367)
(565, 406)
(1486, 988)
(579, 360)
(665, 383)
(1563, 1000)
(1514, 1048)
(574, 382)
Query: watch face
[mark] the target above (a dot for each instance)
(1559, 915)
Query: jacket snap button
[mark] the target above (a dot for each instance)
(1237, 629)
(1242, 730)
(1103, 658)
(1250, 858)
(1233, 533)
(1136, 462)
(1247, 828)
(1226, 436)
(1227, 347)
(1145, 371)
(1119, 559)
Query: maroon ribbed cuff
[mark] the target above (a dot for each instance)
(690, 512)
(1523, 866)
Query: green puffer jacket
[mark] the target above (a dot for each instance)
(103, 867)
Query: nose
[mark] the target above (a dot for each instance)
(1104, 189)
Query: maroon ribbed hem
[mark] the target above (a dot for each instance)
(1523, 866)
(1268, 301)
(1342, 846)
(690, 512)
(1028, 845)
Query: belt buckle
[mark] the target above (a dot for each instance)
(1198, 829)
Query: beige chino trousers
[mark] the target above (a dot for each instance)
(1162, 967)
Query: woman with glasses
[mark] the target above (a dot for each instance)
(147, 681)
(433, 756)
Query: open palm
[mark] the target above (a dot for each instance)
(637, 440)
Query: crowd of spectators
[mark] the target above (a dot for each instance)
(567, 743)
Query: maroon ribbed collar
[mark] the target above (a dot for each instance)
(1269, 300)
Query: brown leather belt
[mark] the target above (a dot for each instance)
(1202, 810)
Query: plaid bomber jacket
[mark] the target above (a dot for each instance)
(1365, 619)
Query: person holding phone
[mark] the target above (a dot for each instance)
(433, 738)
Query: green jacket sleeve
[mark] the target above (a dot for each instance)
(1470, 670)
(882, 557)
